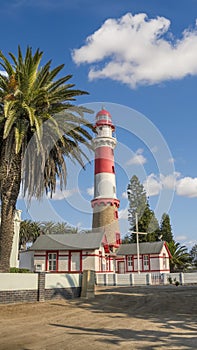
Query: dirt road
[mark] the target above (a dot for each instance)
(117, 318)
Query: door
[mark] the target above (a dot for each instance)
(121, 267)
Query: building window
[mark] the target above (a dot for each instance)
(129, 263)
(52, 261)
(164, 261)
(146, 262)
(75, 260)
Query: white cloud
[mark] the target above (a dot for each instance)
(2, 72)
(124, 195)
(123, 214)
(169, 181)
(90, 190)
(181, 238)
(187, 187)
(59, 195)
(172, 160)
(136, 50)
(152, 185)
(137, 158)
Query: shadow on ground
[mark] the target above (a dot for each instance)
(171, 311)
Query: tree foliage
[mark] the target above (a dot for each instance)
(39, 127)
(193, 255)
(165, 228)
(49, 227)
(180, 257)
(138, 203)
(30, 230)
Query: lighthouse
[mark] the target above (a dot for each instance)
(105, 203)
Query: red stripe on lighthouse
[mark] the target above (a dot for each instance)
(104, 160)
(104, 152)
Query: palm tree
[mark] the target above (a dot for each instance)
(50, 227)
(29, 231)
(180, 257)
(39, 126)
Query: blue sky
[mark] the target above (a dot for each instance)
(139, 59)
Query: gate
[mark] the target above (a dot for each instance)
(157, 278)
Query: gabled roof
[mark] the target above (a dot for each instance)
(144, 248)
(70, 241)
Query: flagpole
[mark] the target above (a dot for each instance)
(137, 240)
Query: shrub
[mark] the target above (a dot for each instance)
(17, 270)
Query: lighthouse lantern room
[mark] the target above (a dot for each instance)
(105, 203)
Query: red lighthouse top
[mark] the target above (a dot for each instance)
(103, 117)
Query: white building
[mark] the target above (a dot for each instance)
(153, 257)
(14, 258)
(69, 253)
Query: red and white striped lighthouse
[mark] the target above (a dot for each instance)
(105, 203)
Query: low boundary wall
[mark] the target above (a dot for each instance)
(142, 279)
(32, 287)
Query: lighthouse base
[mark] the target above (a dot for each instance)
(105, 218)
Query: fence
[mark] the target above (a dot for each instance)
(142, 279)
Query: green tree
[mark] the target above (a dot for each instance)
(49, 227)
(180, 258)
(193, 255)
(29, 231)
(138, 203)
(165, 228)
(39, 127)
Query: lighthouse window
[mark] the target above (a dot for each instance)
(113, 170)
(114, 189)
(100, 128)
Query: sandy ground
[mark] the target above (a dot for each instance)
(160, 317)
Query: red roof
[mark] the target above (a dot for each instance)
(103, 117)
(103, 112)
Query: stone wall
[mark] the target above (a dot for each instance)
(104, 218)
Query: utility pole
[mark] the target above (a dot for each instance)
(137, 241)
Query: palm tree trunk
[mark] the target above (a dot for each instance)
(10, 186)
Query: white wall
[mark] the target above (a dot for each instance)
(59, 280)
(14, 262)
(26, 260)
(40, 260)
(18, 281)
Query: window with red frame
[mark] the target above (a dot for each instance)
(118, 240)
(164, 261)
(52, 261)
(146, 262)
(129, 263)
